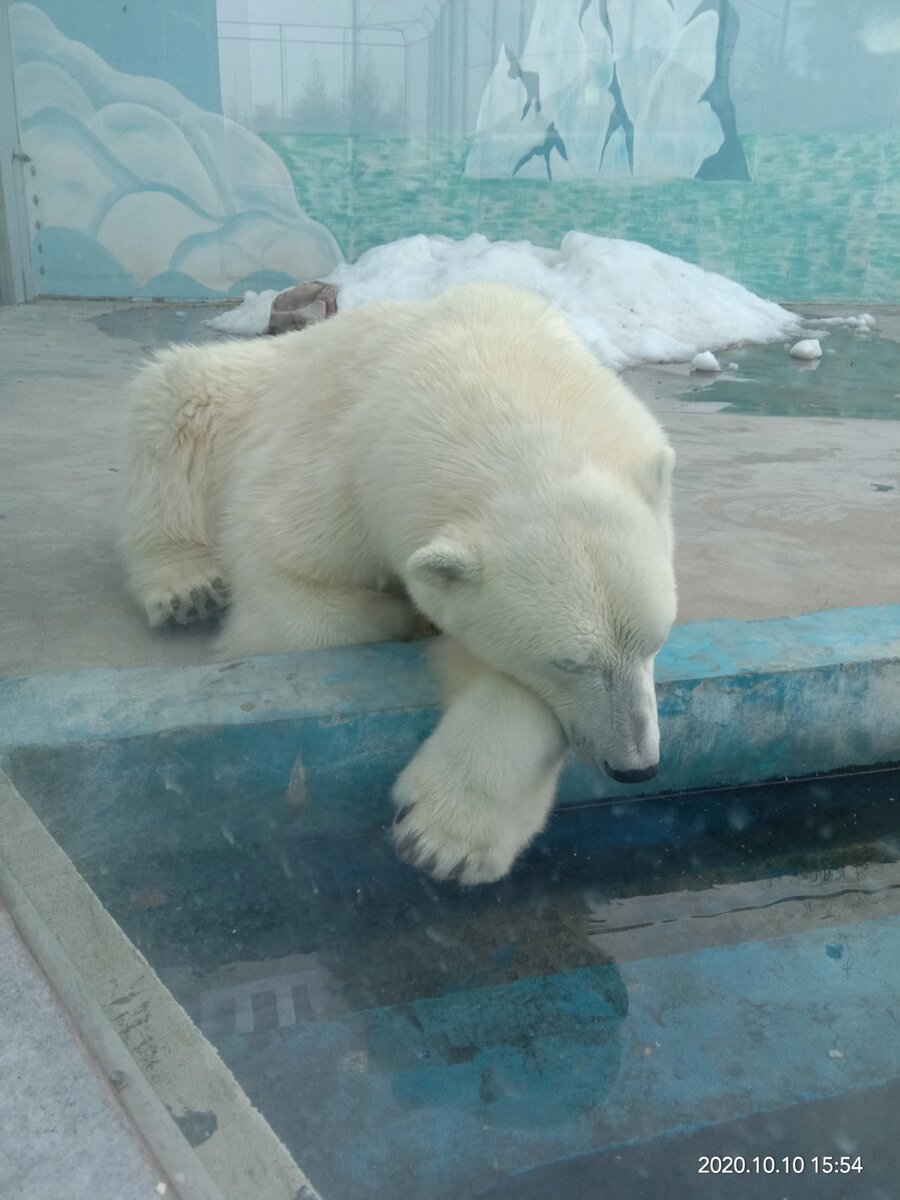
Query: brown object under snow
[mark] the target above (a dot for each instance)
(302, 305)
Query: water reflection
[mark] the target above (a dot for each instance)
(854, 378)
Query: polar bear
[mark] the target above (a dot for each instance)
(463, 461)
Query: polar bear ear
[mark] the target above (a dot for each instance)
(656, 477)
(443, 562)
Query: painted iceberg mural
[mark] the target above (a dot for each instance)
(137, 191)
(613, 88)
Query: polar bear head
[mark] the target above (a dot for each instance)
(570, 590)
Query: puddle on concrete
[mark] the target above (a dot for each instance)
(651, 967)
(860, 379)
(157, 324)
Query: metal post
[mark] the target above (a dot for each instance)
(405, 89)
(283, 86)
(448, 65)
(429, 87)
(464, 71)
(16, 270)
(354, 73)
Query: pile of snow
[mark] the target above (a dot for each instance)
(864, 322)
(249, 318)
(628, 302)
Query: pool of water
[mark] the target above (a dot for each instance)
(660, 980)
(154, 325)
(861, 378)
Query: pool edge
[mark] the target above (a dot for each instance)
(137, 1032)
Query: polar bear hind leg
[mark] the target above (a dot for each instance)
(172, 565)
(276, 612)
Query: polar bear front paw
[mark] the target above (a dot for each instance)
(195, 601)
(451, 835)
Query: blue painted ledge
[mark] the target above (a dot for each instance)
(740, 702)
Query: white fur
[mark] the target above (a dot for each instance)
(464, 460)
(483, 784)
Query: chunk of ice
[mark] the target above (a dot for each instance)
(808, 349)
(705, 361)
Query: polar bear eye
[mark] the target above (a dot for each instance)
(569, 665)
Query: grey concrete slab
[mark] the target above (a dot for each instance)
(170, 1081)
(62, 1132)
(777, 516)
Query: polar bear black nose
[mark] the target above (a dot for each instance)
(639, 776)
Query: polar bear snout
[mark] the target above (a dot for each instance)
(615, 724)
(633, 776)
(637, 767)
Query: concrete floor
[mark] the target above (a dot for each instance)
(774, 516)
(62, 1133)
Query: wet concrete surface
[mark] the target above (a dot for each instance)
(154, 325)
(858, 376)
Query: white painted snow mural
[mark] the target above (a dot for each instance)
(613, 88)
(141, 191)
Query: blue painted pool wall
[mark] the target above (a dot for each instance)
(739, 702)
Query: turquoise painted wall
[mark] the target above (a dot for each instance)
(132, 188)
(197, 149)
(174, 40)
